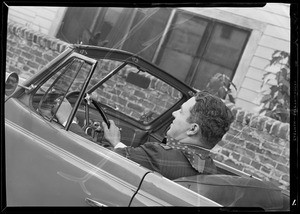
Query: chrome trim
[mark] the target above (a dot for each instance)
(94, 203)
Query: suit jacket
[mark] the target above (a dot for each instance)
(169, 162)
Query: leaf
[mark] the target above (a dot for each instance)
(231, 99)
(265, 98)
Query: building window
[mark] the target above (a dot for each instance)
(193, 49)
(146, 31)
(96, 26)
(197, 48)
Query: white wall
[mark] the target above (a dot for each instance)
(42, 19)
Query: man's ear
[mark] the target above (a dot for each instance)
(194, 129)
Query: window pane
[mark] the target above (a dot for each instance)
(181, 47)
(146, 31)
(124, 93)
(70, 77)
(76, 21)
(225, 45)
(186, 34)
(176, 63)
(206, 71)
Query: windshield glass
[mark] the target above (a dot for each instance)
(133, 91)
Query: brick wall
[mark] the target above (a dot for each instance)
(254, 144)
(257, 145)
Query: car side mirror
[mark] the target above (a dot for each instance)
(11, 83)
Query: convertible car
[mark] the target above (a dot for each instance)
(49, 165)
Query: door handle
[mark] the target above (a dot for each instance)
(94, 203)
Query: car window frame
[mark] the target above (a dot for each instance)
(52, 71)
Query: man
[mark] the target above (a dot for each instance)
(197, 127)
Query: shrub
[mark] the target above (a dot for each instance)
(276, 99)
(219, 85)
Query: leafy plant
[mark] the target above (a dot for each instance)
(276, 101)
(219, 85)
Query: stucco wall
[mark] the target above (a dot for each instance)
(255, 144)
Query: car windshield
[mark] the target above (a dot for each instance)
(133, 91)
(124, 88)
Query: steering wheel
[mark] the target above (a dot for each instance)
(71, 94)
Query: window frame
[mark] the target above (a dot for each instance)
(53, 71)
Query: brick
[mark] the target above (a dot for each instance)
(40, 61)
(266, 169)
(221, 143)
(135, 107)
(261, 123)
(275, 128)
(256, 165)
(228, 137)
(286, 178)
(140, 94)
(249, 153)
(14, 69)
(272, 147)
(280, 142)
(119, 100)
(240, 116)
(245, 160)
(267, 137)
(33, 71)
(235, 156)
(251, 147)
(26, 68)
(135, 115)
(25, 48)
(146, 104)
(283, 131)
(233, 131)
(240, 150)
(22, 60)
(27, 55)
(237, 125)
(286, 152)
(268, 126)
(254, 121)
(48, 57)
(266, 161)
(229, 162)
(32, 64)
(283, 168)
(36, 52)
(229, 146)
(218, 157)
(158, 110)
(225, 152)
(250, 138)
(238, 141)
(9, 54)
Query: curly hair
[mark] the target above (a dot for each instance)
(212, 116)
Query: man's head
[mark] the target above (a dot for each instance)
(203, 118)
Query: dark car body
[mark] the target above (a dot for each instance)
(49, 165)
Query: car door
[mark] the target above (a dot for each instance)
(47, 165)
